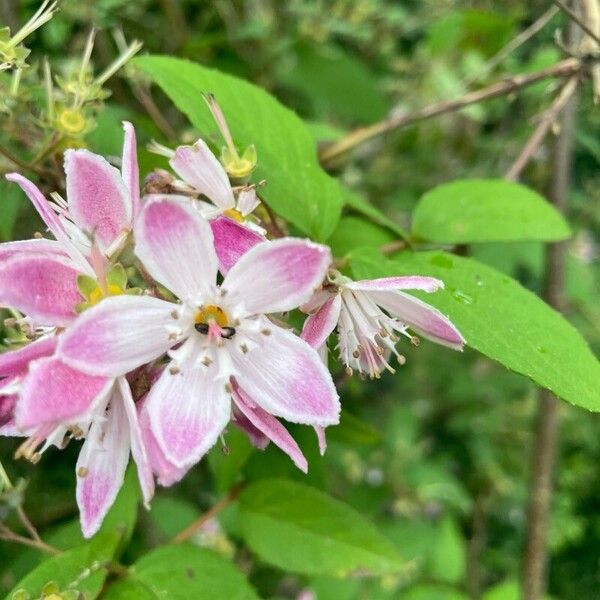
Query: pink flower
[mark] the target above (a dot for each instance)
(41, 397)
(224, 349)
(368, 316)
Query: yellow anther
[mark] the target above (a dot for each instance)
(212, 313)
(234, 214)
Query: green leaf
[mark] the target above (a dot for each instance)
(430, 592)
(300, 529)
(508, 590)
(82, 568)
(481, 210)
(297, 188)
(360, 205)
(182, 572)
(448, 555)
(501, 319)
(356, 231)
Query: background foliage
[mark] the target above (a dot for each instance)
(431, 464)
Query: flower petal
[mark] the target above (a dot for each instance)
(51, 219)
(53, 392)
(247, 201)
(167, 473)
(286, 377)
(188, 411)
(99, 201)
(271, 427)
(101, 466)
(138, 449)
(175, 243)
(201, 169)
(43, 287)
(277, 276)
(257, 438)
(410, 282)
(129, 167)
(41, 247)
(322, 439)
(232, 240)
(318, 326)
(119, 334)
(421, 317)
(16, 362)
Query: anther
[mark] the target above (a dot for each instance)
(356, 353)
(228, 388)
(227, 332)
(82, 471)
(244, 348)
(206, 361)
(414, 340)
(174, 370)
(201, 328)
(266, 331)
(174, 314)
(349, 371)
(401, 359)
(38, 236)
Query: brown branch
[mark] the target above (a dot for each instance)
(214, 510)
(575, 18)
(144, 97)
(547, 120)
(10, 536)
(546, 435)
(564, 68)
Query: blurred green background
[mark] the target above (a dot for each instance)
(437, 455)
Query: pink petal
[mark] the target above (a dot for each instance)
(41, 247)
(166, 472)
(247, 201)
(7, 409)
(99, 201)
(257, 438)
(188, 412)
(42, 287)
(319, 325)
(53, 393)
(16, 362)
(322, 439)
(175, 243)
(286, 377)
(118, 335)
(200, 168)
(101, 467)
(129, 167)
(421, 317)
(411, 282)
(277, 276)
(51, 219)
(232, 240)
(138, 449)
(271, 427)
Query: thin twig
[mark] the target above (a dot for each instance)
(214, 510)
(21, 163)
(515, 43)
(575, 17)
(547, 120)
(564, 68)
(26, 522)
(546, 435)
(144, 97)
(10, 536)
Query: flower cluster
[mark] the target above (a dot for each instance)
(148, 325)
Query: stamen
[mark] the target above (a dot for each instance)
(82, 471)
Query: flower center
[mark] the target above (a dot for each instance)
(213, 321)
(234, 214)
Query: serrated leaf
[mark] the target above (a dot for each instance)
(501, 319)
(182, 572)
(297, 188)
(298, 528)
(486, 210)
